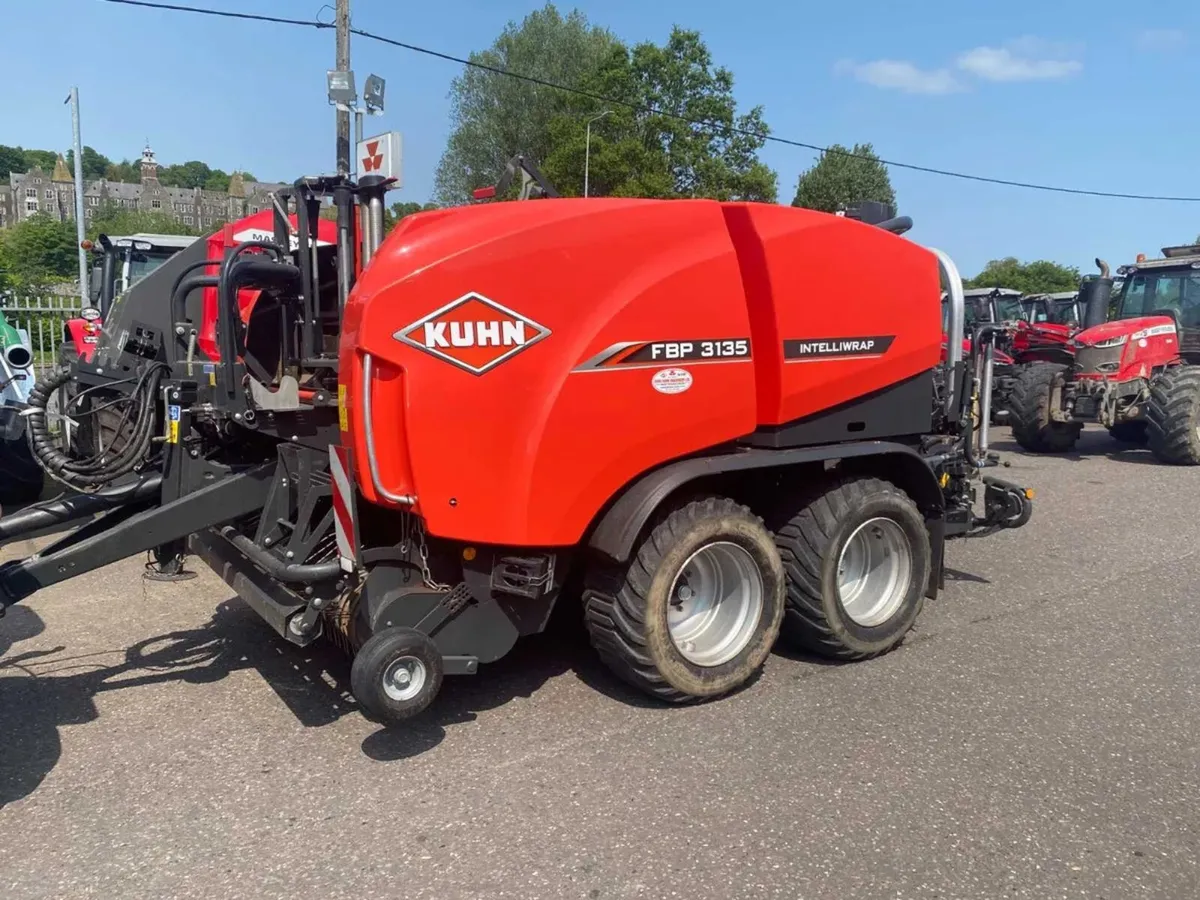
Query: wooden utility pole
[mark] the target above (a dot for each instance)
(343, 65)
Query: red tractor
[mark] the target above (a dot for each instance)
(1133, 374)
(1045, 333)
(1000, 307)
(411, 446)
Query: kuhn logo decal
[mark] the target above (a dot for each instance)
(473, 333)
(831, 348)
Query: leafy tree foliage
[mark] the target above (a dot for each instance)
(195, 174)
(1037, 277)
(495, 116)
(94, 164)
(45, 159)
(113, 219)
(37, 250)
(397, 211)
(842, 177)
(647, 146)
(125, 172)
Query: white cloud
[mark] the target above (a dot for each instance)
(1025, 59)
(901, 75)
(1157, 40)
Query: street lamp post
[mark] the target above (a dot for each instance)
(587, 149)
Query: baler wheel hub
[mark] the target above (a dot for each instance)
(404, 678)
(716, 603)
(874, 571)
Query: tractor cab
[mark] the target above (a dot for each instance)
(118, 263)
(121, 262)
(993, 304)
(1158, 295)
(1059, 308)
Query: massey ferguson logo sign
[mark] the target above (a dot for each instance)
(473, 333)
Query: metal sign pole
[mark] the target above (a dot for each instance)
(73, 99)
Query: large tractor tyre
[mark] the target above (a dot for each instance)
(22, 478)
(1029, 403)
(695, 612)
(1129, 432)
(1173, 416)
(76, 439)
(857, 557)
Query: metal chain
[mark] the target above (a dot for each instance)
(423, 552)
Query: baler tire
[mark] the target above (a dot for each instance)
(626, 608)
(1173, 416)
(1029, 403)
(382, 655)
(812, 542)
(1134, 432)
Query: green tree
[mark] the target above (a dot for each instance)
(94, 164)
(648, 145)
(12, 159)
(191, 174)
(125, 172)
(38, 250)
(113, 219)
(44, 159)
(397, 211)
(493, 116)
(842, 177)
(1037, 277)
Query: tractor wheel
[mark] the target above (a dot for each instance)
(1173, 416)
(22, 478)
(696, 610)
(857, 558)
(1129, 432)
(396, 674)
(1029, 403)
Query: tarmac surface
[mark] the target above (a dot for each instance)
(1037, 736)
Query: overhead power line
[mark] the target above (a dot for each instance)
(637, 107)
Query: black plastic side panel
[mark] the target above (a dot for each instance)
(618, 528)
(903, 408)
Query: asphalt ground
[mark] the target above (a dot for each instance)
(1038, 736)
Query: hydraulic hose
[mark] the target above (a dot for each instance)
(93, 472)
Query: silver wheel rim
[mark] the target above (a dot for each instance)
(404, 678)
(715, 604)
(874, 571)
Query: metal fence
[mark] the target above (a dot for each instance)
(43, 317)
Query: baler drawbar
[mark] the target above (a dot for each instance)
(723, 422)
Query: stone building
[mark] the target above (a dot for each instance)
(53, 193)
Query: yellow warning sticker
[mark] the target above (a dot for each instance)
(173, 420)
(343, 418)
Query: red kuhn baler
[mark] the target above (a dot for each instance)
(724, 420)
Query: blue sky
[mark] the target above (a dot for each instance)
(1080, 94)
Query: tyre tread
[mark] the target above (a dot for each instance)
(803, 542)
